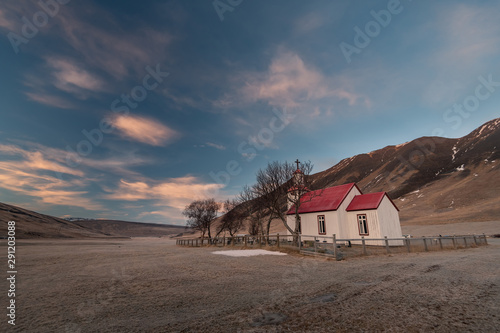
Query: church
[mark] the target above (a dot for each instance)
(344, 211)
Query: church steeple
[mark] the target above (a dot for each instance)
(298, 176)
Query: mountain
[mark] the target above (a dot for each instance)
(30, 224)
(132, 229)
(431, 179)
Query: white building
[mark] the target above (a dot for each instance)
(346, 212)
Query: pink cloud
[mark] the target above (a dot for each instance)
(144, 130)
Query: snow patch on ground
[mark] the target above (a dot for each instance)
(454, 152)
(461, 168)
(248, 253)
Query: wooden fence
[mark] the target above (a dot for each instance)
(342, 248)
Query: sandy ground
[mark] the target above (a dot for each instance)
(150, 285)
(465, 228)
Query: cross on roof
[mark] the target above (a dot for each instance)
(298, 162)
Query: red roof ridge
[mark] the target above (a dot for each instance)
(327, 199)
(368, 201)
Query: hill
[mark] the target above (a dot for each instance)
(433, 179)
(132, 229)
(30, 224)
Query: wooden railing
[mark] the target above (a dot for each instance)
(332, 246)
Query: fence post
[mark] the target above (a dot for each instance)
(315, 243)
(475, 240)
(224, 240)
(454, 242)
(335, 245)
(246, 237)
(278, 240)
(465, 241)
(300, 242)
(485, 241)
(440, 243)
(364, 245)
(407, 242)
(387, 244)
(425, 244)
(232, 241)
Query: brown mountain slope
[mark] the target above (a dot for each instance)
(132, 229)
(435, 180)
(30, 224)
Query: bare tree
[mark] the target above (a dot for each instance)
(254, 227)
(278, 184)
(232, 220)
(255, 209)
(200, 214)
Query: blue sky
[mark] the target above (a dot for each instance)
(130, 110)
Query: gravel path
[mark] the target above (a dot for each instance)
(149, 284)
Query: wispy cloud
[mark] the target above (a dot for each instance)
(41, 172)
(6, 20)
(31, 173)
(50, 100)
(71, 77)
(290, 82)
(114, 49)
(173, 195)
(144, 130)
(216, 146)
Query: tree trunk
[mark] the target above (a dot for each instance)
(269, 224)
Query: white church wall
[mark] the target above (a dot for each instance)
(389, 221)
(342, 213)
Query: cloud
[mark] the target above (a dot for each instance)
(216, 146)
(173, 195)
(29, 173)
(41, 172)
(71, 77)
(6, 21)
(144, 130)
(50, 100)
(114, 49)
(290, 82)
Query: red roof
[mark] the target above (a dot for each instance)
(323, 200)
(367, 201)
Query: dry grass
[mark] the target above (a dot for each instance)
(150, 284)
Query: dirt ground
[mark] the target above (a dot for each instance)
(151, 285)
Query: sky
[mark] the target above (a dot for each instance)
(130, 110)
